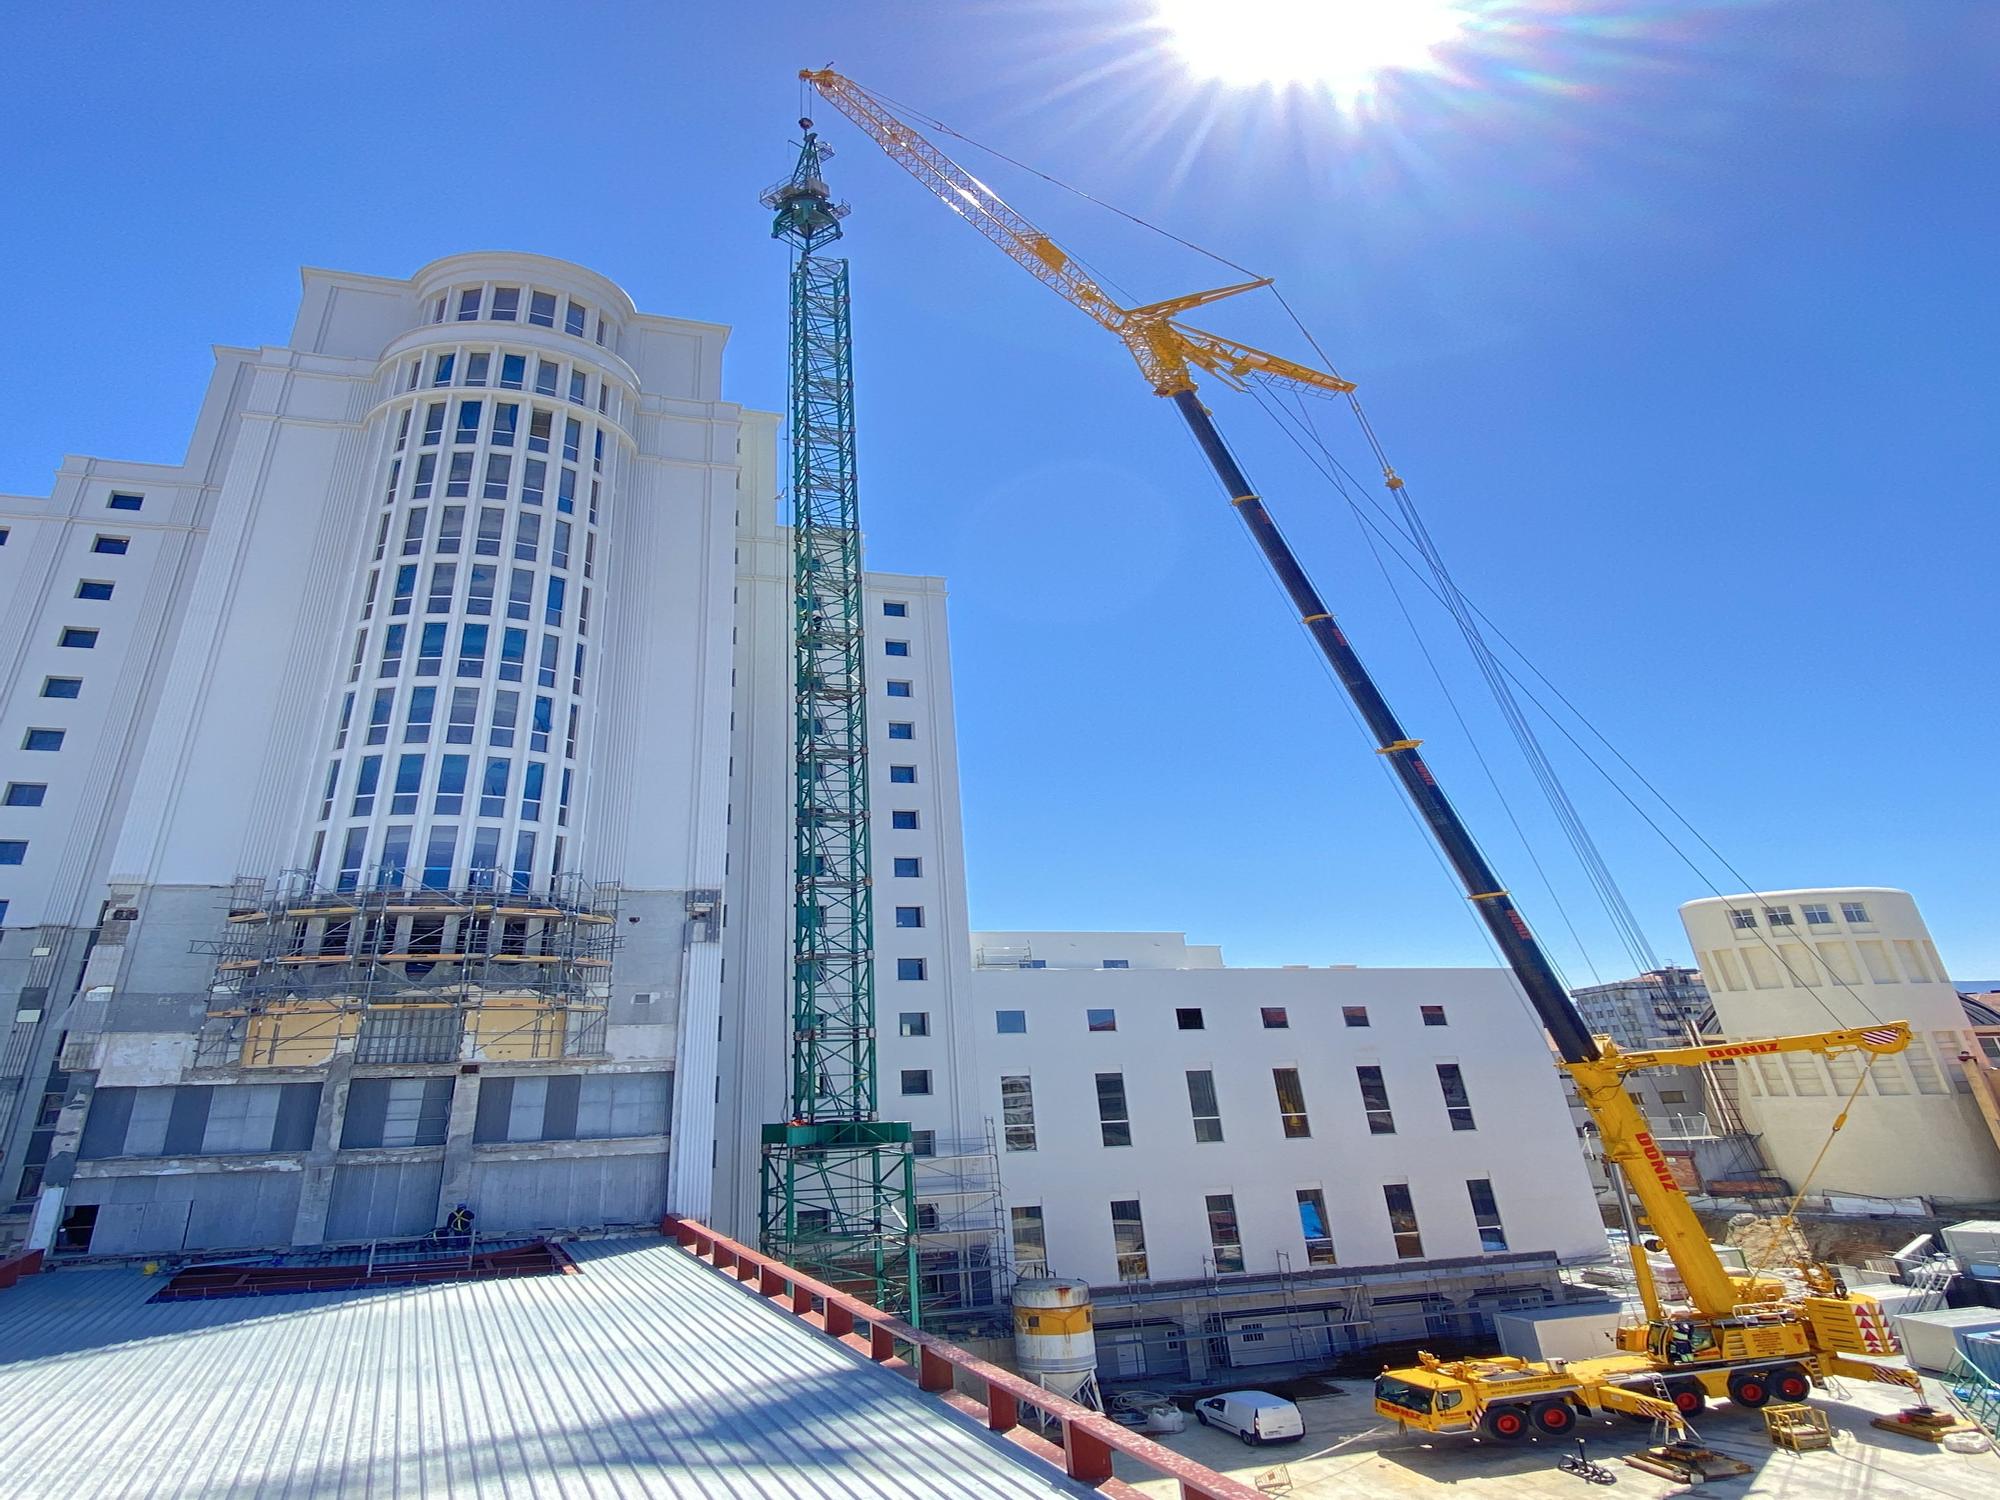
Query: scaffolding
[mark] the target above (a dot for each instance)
(962, 1247)
(482, 972)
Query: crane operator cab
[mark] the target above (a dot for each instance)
(1681, 1341)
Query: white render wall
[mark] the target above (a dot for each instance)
(1915, 1129)
(1524, 1143)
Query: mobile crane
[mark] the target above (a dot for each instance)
(1746, 1337)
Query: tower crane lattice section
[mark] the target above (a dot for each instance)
(837, 1185)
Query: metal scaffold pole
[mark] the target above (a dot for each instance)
(837, 1184)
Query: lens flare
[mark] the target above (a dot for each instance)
(1340, 47)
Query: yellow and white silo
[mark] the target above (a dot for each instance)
(1054, 1342)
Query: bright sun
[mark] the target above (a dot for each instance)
(1340, 46)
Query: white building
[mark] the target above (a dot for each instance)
(398, 812)
(1820, 960)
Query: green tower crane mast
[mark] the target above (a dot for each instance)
(838, 1185)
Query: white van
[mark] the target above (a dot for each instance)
(1254, 1416)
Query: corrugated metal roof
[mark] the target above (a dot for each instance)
(647, 1375)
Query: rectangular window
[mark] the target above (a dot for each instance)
(492, 522)
(909, 968)
(93, 588)
(531, 792)
(1201, 1101)
(25, 793)
(475, 368)
(1189, 1018)
(908, 867)
(420, 487)
(125, 502)
(1817, 915)
(441, 371)
(1100, 1020)
(527, 538)
(1456, 1102)
(1315, 1227)
(1778, 916)
(350, 859)
(1117, 963)
(77, 638)
(542, 309)
(913, 1023)
(916, 1081)
(1433, 1015)
(1225, 1237)
(43, 739)
(566, 492)
(379, 713)
(423, 705)
(430, 649)
(1010, 1022)
(1291, 1103)
(1275, 1018)
(1354, 1015)
(546, 372)
(895, 648)
(409, 782)
(112, 546)
(498, 467)
(406, 588)
(395, 473)
(899, 689)
(524, 861)
(1486, 1215)
(578, 387)
(538, 728)
(513, 375)
(1114, 1119)
(366, 781)
(506, 713)
(472, 648)
(468, 304)
(898, 818)
(413, 531)
(65, 687)
(392, 650)
(444, 579)
(923, 1143)
(552, 614)
(1403, 1221)
(479, 589)
(513, 652)
(1031, 1246)
(1854, 911)
(902, 731)
(458, 480)
(574, 314)
(1375, 1101)
(13, 851)
(521, 595)
(559, 545)
(1128, 1239)
(451, 527)
(326, 794)
(506, 303)
(433, 424)
(540, 425)
(493, 789)
(572, 439)
(438, 856)
(1741, 919)
(909, 916)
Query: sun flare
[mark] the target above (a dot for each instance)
(1342, 47)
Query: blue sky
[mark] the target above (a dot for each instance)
(1678, 318)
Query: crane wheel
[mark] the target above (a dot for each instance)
(1688, 1396)
(1790, 1383)
(1553, 1417)
(1506, 1424)
(1751, 1388)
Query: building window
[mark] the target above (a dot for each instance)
(1100, 1020)
(1291, 1103)
(574, 314)
(914, 1023)
(1128, 1239)
(1433, 1015)
(77, 638)
(379, 713)
(1188, 1018)
(902, 731)
(1456, 1102)
(905, 818)
(1854, 911)
(1225, 1236)
(895, 648)
(542, 309)
(906, 775)
(1017, 1112)
(927, 1218)
(898, 689)
(1354, 1015)
(43, 739)
(93, 588)
(909, 916)
(1116, 963)
(468, 304)
(1202, 1104)
(475, 368)
(923, 1143)
(1741, 918)
(908, 867)
(1010, 1022)
(25, 793)
(441, 372)
(1778, 916)
(62, 687)
(417, 728)
(1817, 915)
(506, 303)
(1673, 1096)
(1031, 1246)
(1114, 1119)
(1403, 1221)
(916, 1081)
(1275, 1018)
(13, 851)
(1486, 1215)
(125, 502)
(1315, 1227)
(895, 609)
(1375, 1100)
(112, 546)
(909, 968)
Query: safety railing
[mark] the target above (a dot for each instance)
(997, 1396)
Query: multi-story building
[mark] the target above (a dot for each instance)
(399, 813)
(1850, 956)
(1647, 1010)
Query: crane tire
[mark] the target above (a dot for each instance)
(1689, 1396)
(1790, 1383)
(1553, 1417)
(1506, 1424)
(1750, 1388)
